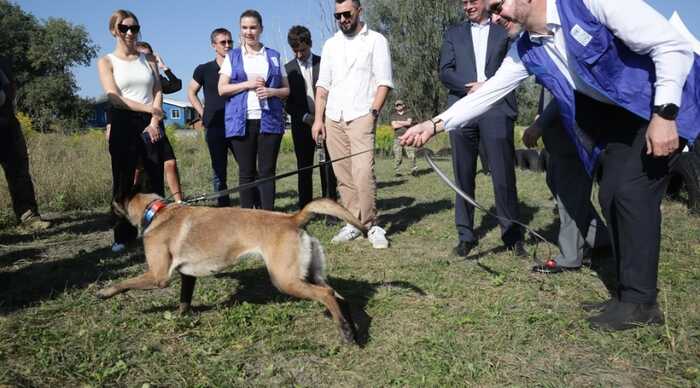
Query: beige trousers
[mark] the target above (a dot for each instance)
(356, 180)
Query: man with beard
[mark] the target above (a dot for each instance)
(354, 81)
(626, 82)
(471, 52)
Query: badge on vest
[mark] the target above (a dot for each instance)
(581, 35)
(275, 63)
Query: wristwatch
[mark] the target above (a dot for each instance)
(667, 111)
(374, 112)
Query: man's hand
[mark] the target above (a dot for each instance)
(417, 135)
(531, 135)
(318, 131)
(153, 133)
(662, 136)
(472, 87)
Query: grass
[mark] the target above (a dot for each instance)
(430, 319)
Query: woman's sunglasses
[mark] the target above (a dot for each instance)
(346, 14)
(123, 28)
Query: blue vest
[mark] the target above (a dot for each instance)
(272, 120)
(607, 65)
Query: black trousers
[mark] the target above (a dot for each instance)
(631, 189)
(15, 163)
(128, 149)
(305, 148)
(496, 134)
(256, 154)
(218, 151)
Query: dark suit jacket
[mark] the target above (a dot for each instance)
(458, 64)
(296, 104)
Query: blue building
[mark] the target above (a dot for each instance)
(179, 113)
(98, 117)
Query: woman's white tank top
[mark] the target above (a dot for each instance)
(133, 78)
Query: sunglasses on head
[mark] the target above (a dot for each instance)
(225, 42)
(123, 28)
(346, 14)
(497, 8)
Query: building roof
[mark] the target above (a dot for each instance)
(181, 104)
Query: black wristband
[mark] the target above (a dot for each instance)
(434, 127)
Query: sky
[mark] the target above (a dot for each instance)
(179, 29)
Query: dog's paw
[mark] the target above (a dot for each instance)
(106, 292)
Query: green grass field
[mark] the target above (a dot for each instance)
(428, 319)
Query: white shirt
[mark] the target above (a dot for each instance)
(254, 65)
(480, 39)
(307, 71)
(133, 78)
(352, 68)
(637, 24)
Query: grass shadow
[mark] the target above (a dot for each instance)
(255, 287)
(396, 202)
(407, 216)
(488, 222)
(392, 183)
(47, 280)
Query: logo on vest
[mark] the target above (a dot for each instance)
(581, 35)
(274, 62)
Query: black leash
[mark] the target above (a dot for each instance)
(427, 153)
(204, 197)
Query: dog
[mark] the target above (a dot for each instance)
(200, 241)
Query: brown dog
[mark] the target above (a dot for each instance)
(201, 241)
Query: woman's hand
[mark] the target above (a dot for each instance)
(153, 132)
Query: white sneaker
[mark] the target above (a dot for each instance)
(377, 236)
(118, 247)
(347, 233)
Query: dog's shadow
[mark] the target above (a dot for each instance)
(255, 287)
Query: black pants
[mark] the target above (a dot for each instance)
(218, 151)
(496, 134)
(128, 149)
(256, 154)
(631, 189)
(15, 163)
(305, 148)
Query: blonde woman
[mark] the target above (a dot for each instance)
(132, 84)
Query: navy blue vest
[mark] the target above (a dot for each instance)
(607, 65)
(272, 120)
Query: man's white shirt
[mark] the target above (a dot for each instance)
(352, 68)
(637, 24)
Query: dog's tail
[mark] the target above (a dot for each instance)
(328, 207)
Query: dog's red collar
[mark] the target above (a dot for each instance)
(151, 210)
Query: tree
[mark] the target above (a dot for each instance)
(43, 54)
(414, 29)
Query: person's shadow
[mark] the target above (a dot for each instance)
(255, 287)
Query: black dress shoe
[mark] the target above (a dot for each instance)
(598, 306)
(552, 267)
(622, 316)
(518, 249)
(463, 248)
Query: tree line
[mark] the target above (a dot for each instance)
(41, 54)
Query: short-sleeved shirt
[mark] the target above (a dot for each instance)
(207, 75)
(405, 116)
(255, 65)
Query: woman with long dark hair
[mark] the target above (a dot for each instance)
(254, 80)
